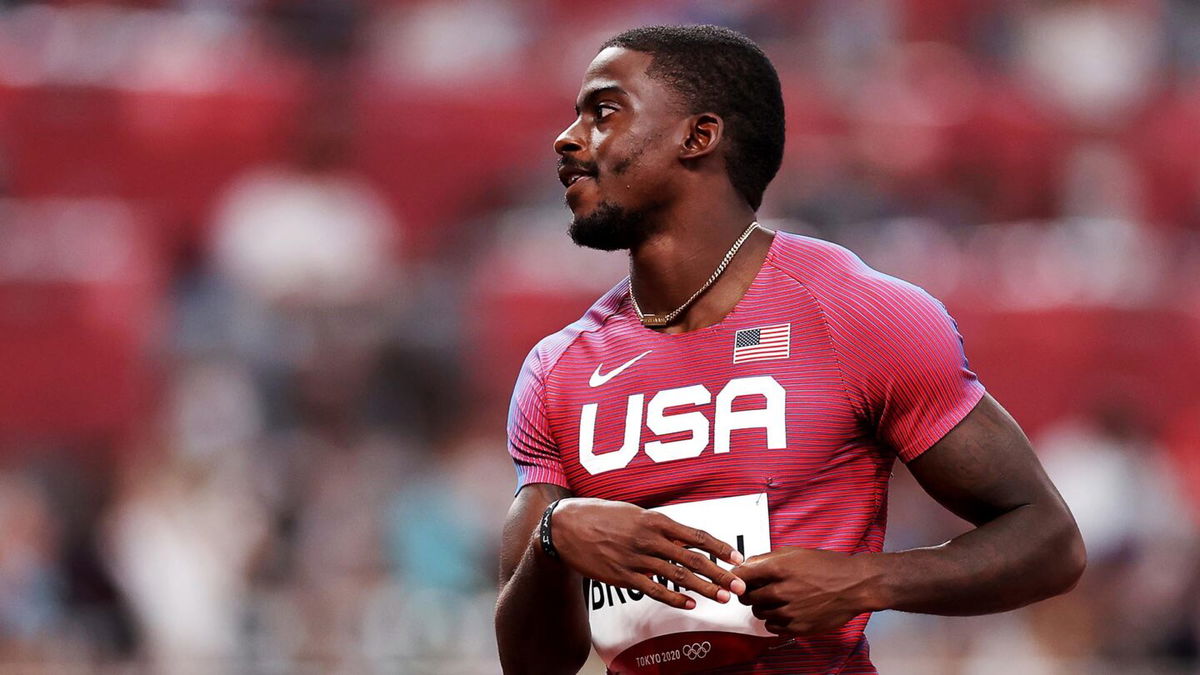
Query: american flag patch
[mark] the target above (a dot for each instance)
(760, 344)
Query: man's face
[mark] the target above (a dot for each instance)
(618, 158)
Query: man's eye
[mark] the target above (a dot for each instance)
(604, 110)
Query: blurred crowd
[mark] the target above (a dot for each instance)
(268, 269)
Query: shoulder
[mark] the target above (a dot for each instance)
(550, 349)
(846, 288)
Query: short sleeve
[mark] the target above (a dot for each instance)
(530, 443)
(903, 362)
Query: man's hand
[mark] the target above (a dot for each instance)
(623, 545)
(800, 591)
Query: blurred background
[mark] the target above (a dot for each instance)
(268, 270)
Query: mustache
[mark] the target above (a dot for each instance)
(569, 163)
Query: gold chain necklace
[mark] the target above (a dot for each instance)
(660, 320)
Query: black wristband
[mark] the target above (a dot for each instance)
(544, 536)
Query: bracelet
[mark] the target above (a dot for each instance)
(544, 530)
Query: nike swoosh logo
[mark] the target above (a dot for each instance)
(597, 379)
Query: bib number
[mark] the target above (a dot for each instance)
(636, 634)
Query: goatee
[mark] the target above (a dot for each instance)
(610, 228)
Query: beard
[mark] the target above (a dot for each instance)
(610, 228)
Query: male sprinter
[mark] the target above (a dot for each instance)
(742, 398)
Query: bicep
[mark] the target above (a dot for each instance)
(984, 467)
(523, 517)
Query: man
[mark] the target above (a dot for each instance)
(753, 389)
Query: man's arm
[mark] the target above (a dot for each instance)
(1025, 546)
(541, 620)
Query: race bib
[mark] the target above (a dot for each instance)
(636, 634)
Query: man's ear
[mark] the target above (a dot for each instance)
(704, 134)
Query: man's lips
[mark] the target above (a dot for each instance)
(577, 179)
(569, 175)
(576, 185)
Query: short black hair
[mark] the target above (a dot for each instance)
(715, 69)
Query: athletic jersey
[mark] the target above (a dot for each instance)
(777, 426)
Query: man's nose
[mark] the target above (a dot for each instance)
(569, 140)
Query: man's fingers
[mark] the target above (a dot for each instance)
(764, 596)
(658, 592)
(700, 564)
(777, 628)
(694, 537)
(682, 576)
(760, 612)
(757, 571)
(774, 619)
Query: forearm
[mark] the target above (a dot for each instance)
(1028, 554)
(1025, 546)
(541, 620)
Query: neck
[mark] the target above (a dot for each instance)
(677, 261)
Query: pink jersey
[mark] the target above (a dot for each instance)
(824, 372)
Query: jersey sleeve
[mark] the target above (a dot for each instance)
(903, 362)
(530, 443)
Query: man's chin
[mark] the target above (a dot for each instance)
(607, 228)
(583, 234)
(582, 206)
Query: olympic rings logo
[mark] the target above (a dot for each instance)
(697, 650)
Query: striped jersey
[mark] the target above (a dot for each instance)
(777, 426)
